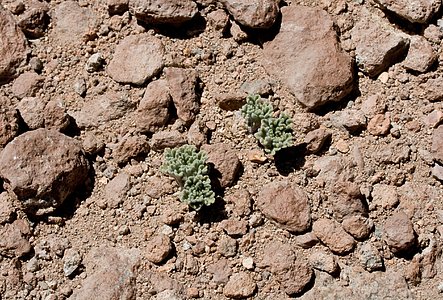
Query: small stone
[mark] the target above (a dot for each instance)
(132, 147)
(316, 139)
(117, 7)
(220, 271)
(7, 211)
(225, 161)
(230, 101)
(248, 263)
(34, 20)
(27, 85)
(71, 261)
(322, 261)
(256, 156)
(358, 226)
(234, 227)
(342, 146)
(437, 144)
(297, 279)
(240, 285)
(379, 124)
(95, 62)
(333, 236)
(36, 64)
(80, 87)
(253, 13)
(92, 143)
(167, 139)
(370, 258)
(218, 19)
(242, 202)
(9, 125)
(278, 256)
(373, 105)
(414, 12)
(172, 12)
(437, 172)
(227, 246)
(307, 240)
(434, 118)
(116, 189)
(352, 120)
(384, 196)
(13, 239)
(33, 265)
(158, 248)
(399, 233)
(421, 55)
(383, 77)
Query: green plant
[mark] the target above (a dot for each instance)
(275, 134)
(255, 110)
(188, 167)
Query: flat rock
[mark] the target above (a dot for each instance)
(286, 204)
(182, 87)
(27, 85)
(42, 168)
(240, 286)
(437, 144)
(420, 11)
(253, 13)
(13, 47)
(333, 236)
(421, 56)
(437, 172)
(173, 12)
(136, 59)
(377, 45)
(9, 125)
(225, 161)
(306, 56)
(13, 239)
(220, 271)
(241, 200)
(111, 274)
(167, 139)
(158, 248)
(116, 189)
(398, 232)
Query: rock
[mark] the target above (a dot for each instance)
(132, 147)
(379, 124)
(226, 165)
(102, 109)
(198, 134)
(259, 87)
(167, 139)
(377, 46)
(27, 85)
(111, 274)
(94, 62)
(42, 168)
(253, 13)
(230, 101)
(416, 12)
(329, 168)
(305, 47)
(9, 125)
(437, 172)
(234, 227)
(13, 49)
(13, 239)
(323, 261)
(153, 110)
(399, 233)
(7, 211)
(316, 139)
(421, 55)
(437, 144)
(32, 112)
(333, 236)
(173, 12)
(278, 256)
(115, 190)
(240, 285)
(433, 33)
(384, 196)
(56, 116)
(72, 24)
(36, 64)
(433, 89)
(358, 226)
(346, 200)
(182, 87)
(167, 295)
(297, 279)
(92, 143)
(434, 118)
(80, 87)
(117, 7)
(285, 204)
(227, 246)
(307, 240)
(242, 202)
(137, 58)
(351, 120)
(373, 105)
(158, 248)
(370, 258)
(220, 271)
(34, 20)
(218, 19)
(71, 261)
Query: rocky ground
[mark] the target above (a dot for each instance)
(92, 92)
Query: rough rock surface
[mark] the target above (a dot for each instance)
(333, 236)
(297, 279)
(307, 57)
(34, 20)
(240, 286)
(13, 239)
(9, 125)
(13, 46)
(399, 232)
(158, 248)
(136, 59)
(42, 168)
(437, 144)
(420, 11)
(285, 204)
(253, 13)
(225, 161)
(27, 85)
(172, 12)
(421, 56)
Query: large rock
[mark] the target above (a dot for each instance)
(111, 274)
(172, 12)
(13, 46)
(225, 161)
(437, 144)
(136, 59)
(419, 11)
(253, 13)
(333, 236)
(306, 56)
(285, 204)
(399, 233)
(42, 168)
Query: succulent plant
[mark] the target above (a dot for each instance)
(197, 192)
(275, 134)
(255, 110)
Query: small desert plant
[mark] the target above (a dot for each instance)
(254, 111)
(188, 167)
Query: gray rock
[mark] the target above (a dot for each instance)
(323, 261)
(71, 261)
(253, 13)
(94, 63)
(437, 172)
(333, 236)
(370, 257)
(240, 286)
(420, 11)
(306, 47)
(421, 56)
(350, 119)
(225, 161)
(42, 168)
(172, 12)
(227, 246)
(399, 233)
(137, 58)
(9, 125)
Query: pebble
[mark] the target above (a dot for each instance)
(248, 263)
(71, 261)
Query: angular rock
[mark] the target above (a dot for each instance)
(13, 239)
(433, 89)
(153, 110)
(384, 196)
(7, 211)
(323, 261)
(242, 202)
(373, 105)
(253, 13)
(352, 120)
(230, 101)
(297, 279)
(35, 19)
(346, 200)
(399, 233)
(182, 87)
(218, 19)
(420, 11)
(234, 227)
(42, 168)
(158, 248)
(306, 56)
(117, 7)
(9, 125)
(437, 172)
(370, 258)
(421, 56)
(137, 58)
(71, 261)
(437, 144)
(27, 85)
(56, 116)
(379, 124)
(377, 46)
(240, 286)
(13, 48)
(73, 24)
(333, 236)
(220, 271)
(198, 134)
(94, 62)
(285, 204)
(173, 12)
(116, 189)
(358, 226)
(167, 139)
(278, 256)
(112, 273)
(316, 139)
(132, 147)
(225, 161)
(32, 112)
(434, 118)
(307, 240)
(227, 246)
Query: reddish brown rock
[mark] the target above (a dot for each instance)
(13, 47)
(27, 85)
(373, 105)
(242, 202)
(296, 280)
(13, 239)
(333, 236)
(137, 58)
(379, 124)
(434, 118)
(42, 168)
(384, 196)
(167, 139)
(316, 139)
(306, 56)
(172, 12)
(56, 116)
(420, 11)
(234, 227)
(437, 172)
(225, 161)
(346, 200)
(306, 240)
(117, 6)
(285, 204)
(7, 211)
(132, 147)
(240, 286)
(9, 125)
(115, 190)
(358, 226)
(35, 19)
(421, 55)
(253, 13)
(399, 233)
(220, 271)
(158, 248)
(321, 260)
(182, 87)
(278, 256)
(437, 144)
(32, 112)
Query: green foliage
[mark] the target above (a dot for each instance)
(188, 167)
(255, 110)
(275, 134)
